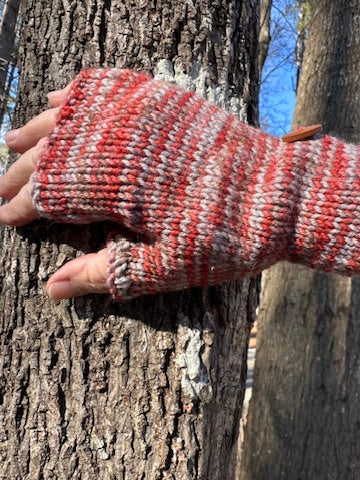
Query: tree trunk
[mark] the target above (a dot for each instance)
(264, 32)
(302, 28)
(7, 43)
(148, 389)
(306, 425)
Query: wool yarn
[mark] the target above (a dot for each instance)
(203, 197)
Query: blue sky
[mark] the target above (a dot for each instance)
(277, 93)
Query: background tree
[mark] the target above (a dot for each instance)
(304, 12)
(306, 424)
(146, 389)
(264, 33)
(8, 24)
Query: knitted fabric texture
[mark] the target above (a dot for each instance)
(204, 197)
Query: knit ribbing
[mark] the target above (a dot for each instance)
(209, 198)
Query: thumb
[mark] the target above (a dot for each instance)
(83, 275)
(136, 269)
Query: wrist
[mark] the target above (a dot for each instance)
(328, 219)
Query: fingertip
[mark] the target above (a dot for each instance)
(55, 98)
(60, 290)
(11, 136)
(80, 276)
(19, 211)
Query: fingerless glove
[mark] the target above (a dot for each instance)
(203, 197)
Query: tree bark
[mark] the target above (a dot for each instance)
(7, 45)
(306, 424)
(302, 28)
(148, 389)
(264, 33)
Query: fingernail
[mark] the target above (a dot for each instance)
(11, 135)
(60, 290)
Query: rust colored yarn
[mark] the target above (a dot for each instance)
(209, 198)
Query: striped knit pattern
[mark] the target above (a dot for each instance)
(204, 198)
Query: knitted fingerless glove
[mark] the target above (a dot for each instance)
(204, 197)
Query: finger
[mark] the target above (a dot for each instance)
(19, 211)
(19, 172)
(28, 136)
(58, 97)
(83, 275)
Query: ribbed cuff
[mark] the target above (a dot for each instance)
(118, 268)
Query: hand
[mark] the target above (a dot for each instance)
(86, 274)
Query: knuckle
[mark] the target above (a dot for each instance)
(38, 150)
(94, 277)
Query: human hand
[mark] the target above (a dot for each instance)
(200, 197)
(86, 274)
(160, 162)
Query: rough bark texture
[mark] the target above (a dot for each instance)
(7, 43)
(302, 28)
(264, 33)
(305, 424)
(150, 389)
(7, 36)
